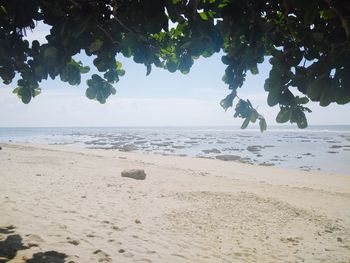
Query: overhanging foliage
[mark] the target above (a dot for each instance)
(306, 42)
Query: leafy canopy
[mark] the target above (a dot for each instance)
(306, 42)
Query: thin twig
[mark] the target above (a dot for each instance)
(107, 34)
(75, 3)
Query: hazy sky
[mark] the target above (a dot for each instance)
(160, 99)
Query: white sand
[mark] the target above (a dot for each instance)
(75, 202)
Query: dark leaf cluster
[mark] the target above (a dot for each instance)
(307, 44)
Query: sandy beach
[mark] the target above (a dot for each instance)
(60, 204)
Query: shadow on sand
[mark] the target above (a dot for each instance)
(47, 257)
(14, 242)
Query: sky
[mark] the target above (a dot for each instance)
(160, 99)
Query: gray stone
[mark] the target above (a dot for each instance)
(228, 157)
(137, 174)
(214, 150)
(128, 148)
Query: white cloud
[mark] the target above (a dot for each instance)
(70, 107)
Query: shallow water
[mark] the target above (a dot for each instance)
(321, 148)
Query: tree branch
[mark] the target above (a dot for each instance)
(107, 34)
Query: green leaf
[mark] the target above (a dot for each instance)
(96, 45)
(254, 70)
(37, 92)
(284, 115)
(297, 115)
(302, 121)
(245, 123)
(90, 93)
(149, 68)
(203, 16)
(262, 124)
(26, 95)
(314, 90)
(273, 98)
(185, 64)
(118, 65)
(301, 100)
(254, 116)
(15, 91)
(39, 71)
(114, 91)
(327, 14)
(327, 96)
(51, 52)
(171, 66)
(227, 102)
(249, 103)
(84, 70)
(3, 10)
(343, 96)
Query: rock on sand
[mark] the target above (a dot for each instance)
(137, 174)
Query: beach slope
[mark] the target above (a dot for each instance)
(72, 205)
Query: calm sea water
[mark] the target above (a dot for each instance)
(321, 148)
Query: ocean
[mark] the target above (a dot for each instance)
(317, 148)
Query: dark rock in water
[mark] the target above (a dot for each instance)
(178, 146)
(335, 146)
(307, 154)
(191, 142)
(137, 174)
(254, 148)
(128, 148)
(211, 151)
(266, 164)
(140, 142)
(0, 148)
(246, 160)
(96, 142)
(228, 157)
(161, 144)
(232, 149)
(332, 141)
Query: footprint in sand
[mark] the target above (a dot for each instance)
(102, 256)
(7, 229)
(117, 228)
(33, 240)
(74, 242)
